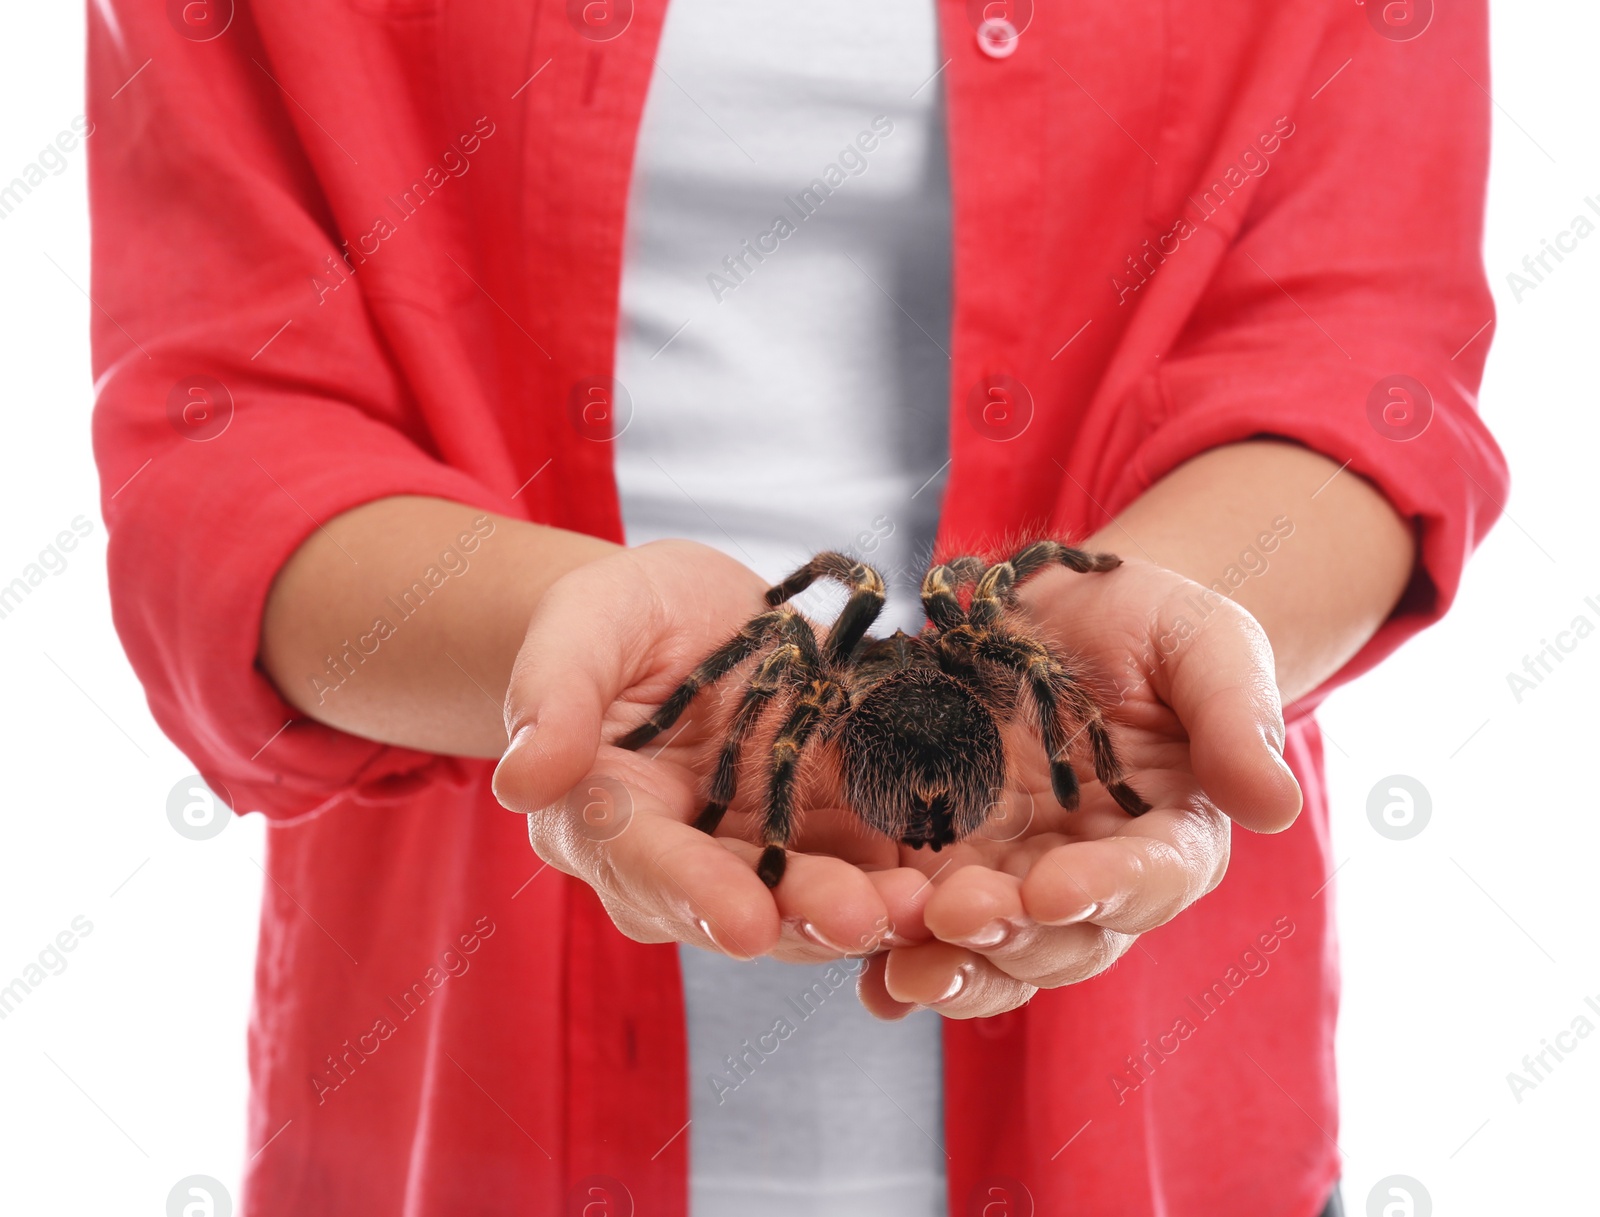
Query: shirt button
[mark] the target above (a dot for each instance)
(997, 38)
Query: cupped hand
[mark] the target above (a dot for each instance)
(605, 647)
(1041, 897)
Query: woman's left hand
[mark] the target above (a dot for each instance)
(1042, 897)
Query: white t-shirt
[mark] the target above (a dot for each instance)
(785, 320)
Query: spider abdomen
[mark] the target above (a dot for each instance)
(922, 758)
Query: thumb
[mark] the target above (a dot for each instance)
(1223, 688)
(570, 670)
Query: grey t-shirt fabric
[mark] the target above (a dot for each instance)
(803, 1104)
(785, 312)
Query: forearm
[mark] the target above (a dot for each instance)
(1319, 563)
(400, 620)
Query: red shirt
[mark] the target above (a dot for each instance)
(361, 248)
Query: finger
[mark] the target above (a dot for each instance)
(829, 908)
(905, 892)
(955, 982)
(982, 910)
(874, 995)
(571, 668)
(1222, 685)
(832, 909)
(661, 879)
(976, 907)
(1134, 881)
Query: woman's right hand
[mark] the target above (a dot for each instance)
(606, 645)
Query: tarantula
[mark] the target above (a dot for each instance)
(916, 719)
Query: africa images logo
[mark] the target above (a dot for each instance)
(805, 203)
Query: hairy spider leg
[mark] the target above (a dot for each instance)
(947, 579)
(1031, 559)
(968, 568)
(997, 586)
(939, 600)
(995, 590)
(860, 611)
(1054, 687)
(799, 656)
(820, 703)
(751, 638)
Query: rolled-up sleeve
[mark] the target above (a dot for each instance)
(233, 416)
(1350, 312)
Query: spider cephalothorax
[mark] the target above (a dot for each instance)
(915, 719)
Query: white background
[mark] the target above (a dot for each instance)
(1465, 948)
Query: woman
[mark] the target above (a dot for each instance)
(370, 430)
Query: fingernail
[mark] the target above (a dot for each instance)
(813, 935)
(957, 983)
(1274, 737)
(705, 928)
(881, 939)
(990, 936)
(894, 1016)
(1082, 914)
(518, 742)
(1278, 759)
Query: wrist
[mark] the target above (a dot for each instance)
(1313, 552)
